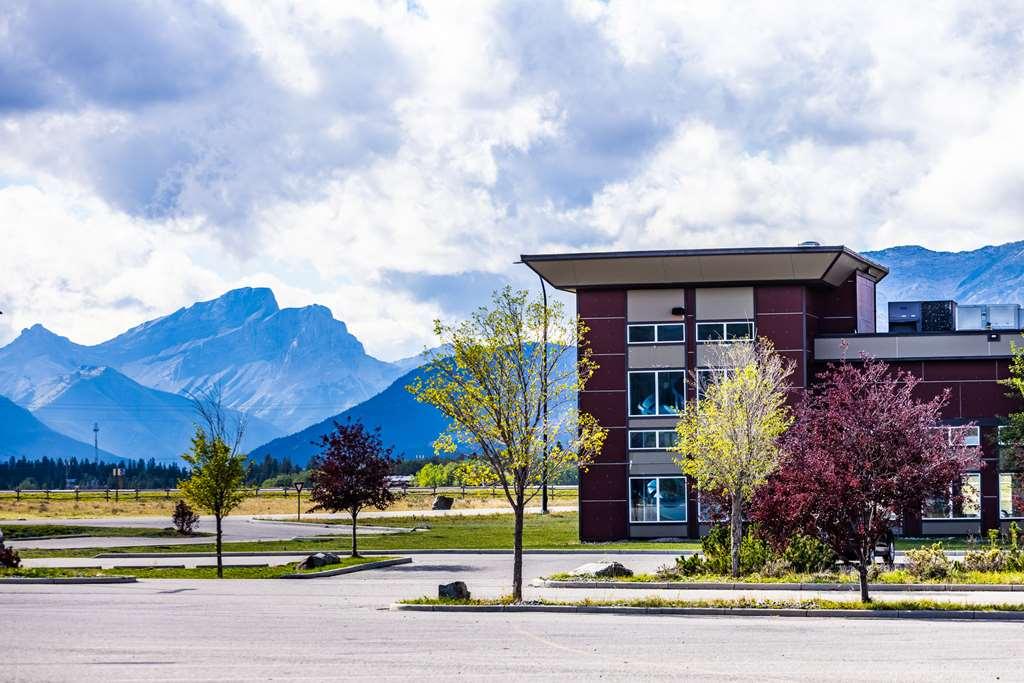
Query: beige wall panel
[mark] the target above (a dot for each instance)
(652, 422)
(927, 346)
(657, 459)
(656, 356)
(950, 527)
(879, 347)
(648, 305)
(677, 529)
(725, 303)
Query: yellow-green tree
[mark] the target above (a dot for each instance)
(729, 439)
(1013, 433)
(215, 484)
(492, 382)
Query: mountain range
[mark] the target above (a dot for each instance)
(294, 371)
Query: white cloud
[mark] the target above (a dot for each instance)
(348, 153)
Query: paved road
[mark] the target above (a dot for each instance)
(330, 629)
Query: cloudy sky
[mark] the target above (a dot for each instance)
(392, 160)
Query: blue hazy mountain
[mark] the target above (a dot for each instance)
(989, 275)
(288, 367)
(24, 435)
(406, 424)
(136, 421)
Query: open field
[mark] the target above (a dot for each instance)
(268, 502)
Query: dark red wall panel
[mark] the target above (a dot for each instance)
(785, 331)
(952, 370)
(604, 482)
(610, 373)
(601, 303)
(865, 303)
(985, 399)
(779, 299)
(614, 449)
(609, 407)
(606, 335)
(603, 521)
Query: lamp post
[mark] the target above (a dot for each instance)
(544, 398)
(298, 500)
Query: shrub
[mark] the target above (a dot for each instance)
(776, 568)
(684, 566)
(990, 560)
(809, 554)
(929, 562)
(9, 558)
(754, 551)
(184, 518)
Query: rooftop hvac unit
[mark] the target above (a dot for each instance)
(938, 316)
(905, 316)
(972, 317)
(1004, 316)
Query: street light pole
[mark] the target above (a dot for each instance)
(544, 397)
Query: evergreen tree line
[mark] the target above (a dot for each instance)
(58, 473)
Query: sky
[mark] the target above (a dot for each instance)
(392, 160)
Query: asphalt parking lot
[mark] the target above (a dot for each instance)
(339, 628)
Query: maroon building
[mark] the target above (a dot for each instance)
(651, 315)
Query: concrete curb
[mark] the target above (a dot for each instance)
(12, 541)
(853, 587)
(407, 551)
(349, 570)
(68, 580)
(970, 615)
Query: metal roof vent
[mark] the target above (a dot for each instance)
(809, 243)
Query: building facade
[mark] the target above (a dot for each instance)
(651, 317)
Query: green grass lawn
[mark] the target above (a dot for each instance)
(178, 573)
(556, 530)
(898, 576)
(13, 532)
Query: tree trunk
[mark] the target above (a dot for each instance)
(862, 570)
(517, 556)
(220, 549)
(355, 547)
(736, 524)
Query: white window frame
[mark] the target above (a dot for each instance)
(657, 333)
(949, 502)
(721, 372)
(657, 390)
(723, 324)
(1010, 488)
(657, 496)
(657, 439)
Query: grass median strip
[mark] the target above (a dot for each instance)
(896, 577)
(233, 572)
(14, 532)
(807, 604)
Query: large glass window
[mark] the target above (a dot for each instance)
(966, 505)
(661, 392)
(651, 439)
(725, 331)
(706, 377)
(666, 333)
(1011, 495)
(657, 499)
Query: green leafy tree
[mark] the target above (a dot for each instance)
(216, 483)
(728, 441)
(493, 382)
(1013, 433)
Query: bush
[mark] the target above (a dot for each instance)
(184, 518)
(809, 554)
(684, 566)
(754, 552)
(929, 563)
(9, 558)
(990, 560)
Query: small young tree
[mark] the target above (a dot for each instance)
(1012, 436)
(184, 518)
(215, 484)
(862, 451)
(493, 381)
(728, 441)
(352, 471)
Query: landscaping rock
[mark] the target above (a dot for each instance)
(453, 591)
(443, 503)
(602, 569)
(318, 560)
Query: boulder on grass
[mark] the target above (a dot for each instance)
(453, 591)
(602, 569)
(443, 503)
(319, 560)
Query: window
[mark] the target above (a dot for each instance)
(647, 440)
(1011, 494)
(661, 392)
(710, 509)
(968, 507)
(669, 333)
(724, 331)
(708, 376)
(971, 435)
(657, 499)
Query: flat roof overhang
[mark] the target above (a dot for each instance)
(830, 265)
